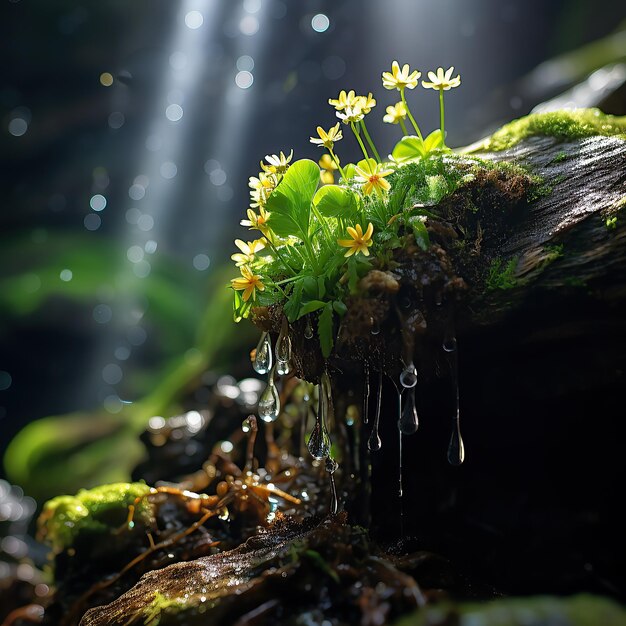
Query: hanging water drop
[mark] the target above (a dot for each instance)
(319, 443)
(269, 402)
(374, 443)
(246, 425)
(409, 421)
(308, 329)
(375, 326)
(408, 377)
(456, 449)
(331, 468)
(262, 363)
(283, 349)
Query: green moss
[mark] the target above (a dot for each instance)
(563, 125)
(96, 510)
(501, 275)
(611, 222)
(162, 605)
(560, 157)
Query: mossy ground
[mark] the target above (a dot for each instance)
(564, 125)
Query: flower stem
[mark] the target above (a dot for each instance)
(369, 141)
(336, 160)
(280, 256)
(408, 111)
(358, 138)
(403, 126)
(323, 223)
(442, 118)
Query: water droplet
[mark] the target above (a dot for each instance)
(408, 377)
(375, 330)
(308, 329)
(269, 402)
(246, 425)
(263, 358)
(331, 465)
(319, 443)
(331, 468)
(456, 449)
(449, 344)
(409, 421)
(283, 349)
(374, 442)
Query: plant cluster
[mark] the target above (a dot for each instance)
(317, 238)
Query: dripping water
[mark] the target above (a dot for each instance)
(250, 427)
(374, 443)
(456, 449)
(262, 363)
(400, 442)
(366, 394)
(408, 376)
(375, 330)
(269, 402)
(409, 421)
(331, 467)
(319, 441)
(283, 350)
(304, 417)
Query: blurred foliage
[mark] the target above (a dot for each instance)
(62, 453)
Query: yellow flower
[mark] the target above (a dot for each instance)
(248, 283)
(373, 177)
(327, 163)
(257, 222)
(367, 103)
(360, 242)
(395, 113)
(351, 114)
(261, 188)
(442, 80)
(400, 78)
(278, 164)
(327, 139)
(344, 100)
(327, 177)
(248, 250)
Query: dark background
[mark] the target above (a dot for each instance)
(102, 333)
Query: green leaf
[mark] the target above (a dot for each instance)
(290, 203)
(408, 148)
(310, 287)
(309, 307)
(325, 329)
(349, 170)
(412, 147)
(340, 308)
(419, 231)
(335, 201)
(321, 286)
(292, 306)
(241, 309)
(433, 141)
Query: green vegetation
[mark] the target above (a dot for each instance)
(95, 511)
(560, 157)
(562, 125)
(611, 222)
(501, 275)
